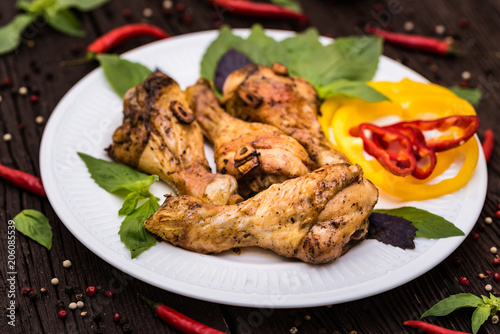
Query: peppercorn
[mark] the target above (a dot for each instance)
(147, 12)
(43, 290)
(109, 293)
(475, 236)
(497, 214)
(457, 260)
(33, 295)
(180, 7)
(493, 250)
(91, 290)
(83, 314)
(72, 306)
(97, 316)
(127, 328)
(23, 90)
(463, 280)
(80, 304)
(481, 276)
(488, 220)
(496, 277)
(62, 314)
(7, 137)
(463, 22)
(116, 317)
(127, 14)
(26, 290)
(79, 297)
(488, 287)
(496, 261)
(59, 304)
(66, 264)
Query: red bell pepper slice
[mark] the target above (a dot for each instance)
(445, 133)
(426, 157)
(392, 149)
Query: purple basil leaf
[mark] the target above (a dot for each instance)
(229, 62)
(392, 230)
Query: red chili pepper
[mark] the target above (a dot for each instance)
(116, 37)
(488, 144)
(258, 9)
(178, 320)
(23, 180)
(422, 43)
(430, 328)
(447, 127)
(392, 149)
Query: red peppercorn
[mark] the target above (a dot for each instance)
(489, 272)
(187, 19)
(34, 98)
(464, 281)
(62, 314)
(378, 7)
(497, 214)
(109, 293)
(496, 277)
(127, 13)
(475, 236)
(91, 290)
(116, 317)
(464, 83)
(180, 7)
(26, 290)
(463, 22)
(496, 261)
(6, 82)
(498, 206)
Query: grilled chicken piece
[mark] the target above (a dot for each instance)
(159, 136)
(315, 218)
(269, 95)
(256, 154)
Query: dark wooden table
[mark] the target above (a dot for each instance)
(35, 65)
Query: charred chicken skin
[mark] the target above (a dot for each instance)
(315, 218)
(270, 95)
(256, 154)
(159, 136)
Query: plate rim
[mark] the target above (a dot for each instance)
(211, 295)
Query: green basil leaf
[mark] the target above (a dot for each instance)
(130, 203)
(428, 225)
(64, 21)
(351, 58)
(471, 95)
(117, 178)
(10, 34)
(132, 231)
(34, 224)
(122, 74)
(26, 6)
(480, 315)
(224, 42)
(260, 48)
(453, 303)
(291, 4)
(85, 5)
(298, 49)
(354, 89)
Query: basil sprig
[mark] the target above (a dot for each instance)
(485, 307)
(339, 68)
(56, 13)
(428, 224)
(35, 225)
(139, 204)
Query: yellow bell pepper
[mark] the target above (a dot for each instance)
(410, 101)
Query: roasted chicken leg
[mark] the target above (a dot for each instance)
(269, 95)
(315, 218)
(159, 136)
(257, 155)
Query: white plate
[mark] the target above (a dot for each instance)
(84, 121)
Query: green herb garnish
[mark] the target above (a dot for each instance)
(56, 13)
(428, 224)
(139, 204)
(341, 67)
(485, 307)
(35, 225)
